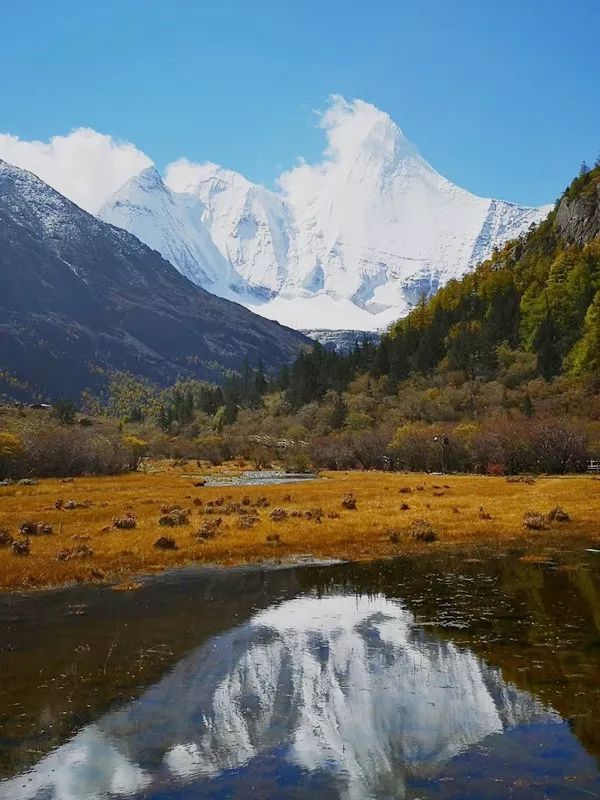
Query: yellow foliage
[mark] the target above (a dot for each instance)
(10, 445)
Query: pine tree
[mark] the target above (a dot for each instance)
(527, 406)
(584, 169)
(545, 346)
(165, 418)
(585, 357)
(283, 380)
(339, 413)
(188, 406)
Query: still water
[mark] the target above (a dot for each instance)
(436, 677)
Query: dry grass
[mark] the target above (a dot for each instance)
(315, 523)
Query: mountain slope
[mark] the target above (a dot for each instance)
(80, 296)
(352, 242)
(532, 309)
(171, 223)
(250, 225)
(539, 294)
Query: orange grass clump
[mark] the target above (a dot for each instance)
(316, 520)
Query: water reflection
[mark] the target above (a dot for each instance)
(343, 695)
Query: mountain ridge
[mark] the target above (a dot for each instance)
(351, 242)
(82, 297)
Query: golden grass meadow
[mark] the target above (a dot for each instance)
(232, 524)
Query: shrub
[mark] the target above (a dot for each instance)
(371, 449)
(20, 548)
(56, 451)
(414, 447)
(209, 529)
(558, 515)
(35, 529)
(27, 528)
(214, 449)
(349, 502)
(422, 531)
(64, 411)
(137, 448)
(76, 552)
(532, 444)
(177, 516)
(165, 543)
(5, 538)
(261, 458)
(127, 522)
(534, 521)
(297, 460)
(333, 452)
(278, 514)
(495, 469)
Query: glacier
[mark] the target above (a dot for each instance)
(352, 242)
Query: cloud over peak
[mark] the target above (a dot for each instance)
(84, 165)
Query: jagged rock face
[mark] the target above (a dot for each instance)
(350, 243)
(80, 296)
(339, 685)
(578, 219)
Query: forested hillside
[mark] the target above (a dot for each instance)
(498, 372)
(532, 309)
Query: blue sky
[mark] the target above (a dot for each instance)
(501, 97)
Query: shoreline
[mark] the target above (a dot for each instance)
(354, 516)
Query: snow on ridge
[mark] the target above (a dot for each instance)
(350, 242)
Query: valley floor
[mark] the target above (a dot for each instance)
(277, 523)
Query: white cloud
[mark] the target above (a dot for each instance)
(353, 129)
(184, 175)
(85, 166)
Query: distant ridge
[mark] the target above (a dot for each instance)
(81, 298)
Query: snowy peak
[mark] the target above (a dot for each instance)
(359, 131)
(249, 225)
(171, 224)
(350, 242)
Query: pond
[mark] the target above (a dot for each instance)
(431, 677)
(264, 477)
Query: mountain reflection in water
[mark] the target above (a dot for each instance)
(345, 694)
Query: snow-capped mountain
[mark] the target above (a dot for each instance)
(172, 224)
(250, 225)
(81, 298)
(351, 242)
(340, 686)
